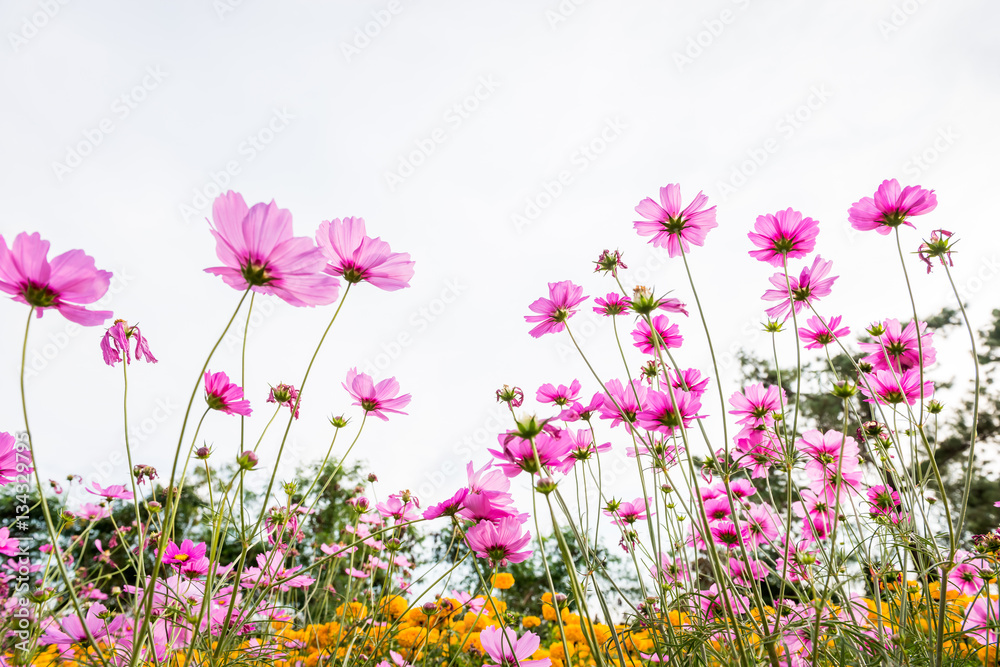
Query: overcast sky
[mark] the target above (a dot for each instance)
(503, 145)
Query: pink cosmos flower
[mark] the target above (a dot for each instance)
(762, 524)
(489, 482)
(259, 252)
(755, 405)
(221, 394)
(71, 631)
(718, 508)
(671, 227)
(560, 395)
(613, 304)
(714, 604)
(891, 207)
(826, 452)
(478, 507)
(9, 546)
(517, 455)
(889, 387)
(116, 341)
(186, 552)
(797, 560)
(501, 542)
(758, 449)
(667, 335)
(689, 380)
(982, 622)
(286, 395)
(817, 515)
(11, 456)
(401, 511)
(744, 575)
(670, 569)
(901, 349)
(725, 533)
(577, 411)
(810, 285)
(67, 281)
(271, 572)
(582, 447)
(553, 312)
(817, 335)
(375, 398)
(883, 501)
(967, 578)
(664, 414)
(113, 492)
(92, 512)
(783, 236)
(357, 257)
(503, 646)
(629, 512)
(449, 507)
(627, 404)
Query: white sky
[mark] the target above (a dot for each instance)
(614, 99)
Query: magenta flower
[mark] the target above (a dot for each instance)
(667, 335)
(689, 380)
(612, 304)
(71, 631)
(259, 253)
(664, 415)
(449, 507)
(67, 281)
(560, 395)
(967, 578)
(188, 551)
(890, 388)
(553, 312)
(783, 236)
(92, 512)
(517, 454)
(582, 447)
(11, 458)
(671, 227)
(756, 405)
(358, 257)
(503, 646)
(10, 546)
(221, 394)
(725, 533)
(761, 524)
(628, 406)
(113, 492)
(489, 482)
(891, 207)
(116, 341)
(627, 513)
(810, 285)
(286, 395)
(817, 335)
(375, 398)
(901, 348)
(817, 515)
(883, 501)
(982, 622)
(758, 450)
(501, 542)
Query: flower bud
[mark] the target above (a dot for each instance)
(202, 452)
(247, 460)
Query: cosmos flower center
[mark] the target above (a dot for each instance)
(675, 225)
(215, 402)
(353, 273)
(895, 348)
(783, 245)
(369, 404)
(40, 296)
(893, 396)
(894, 219)
(256, 273)
(801, 293)
(181, 557)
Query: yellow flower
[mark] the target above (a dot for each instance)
(394, 606)
(411, 637)
(548, 612)
(531, 622)
(502, 580)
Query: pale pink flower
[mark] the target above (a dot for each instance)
(666, 336)
(552, 313)
(502, 542)
(113, 492)
(259, 253)
(68, 280)
(810, 285)
(901, 349)
(503, 646)
(628, 512)
(375, 398)
(71, 631)
(357, 257)
(783, 236)
(670, 226)
(891, 207)
(817, 335)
